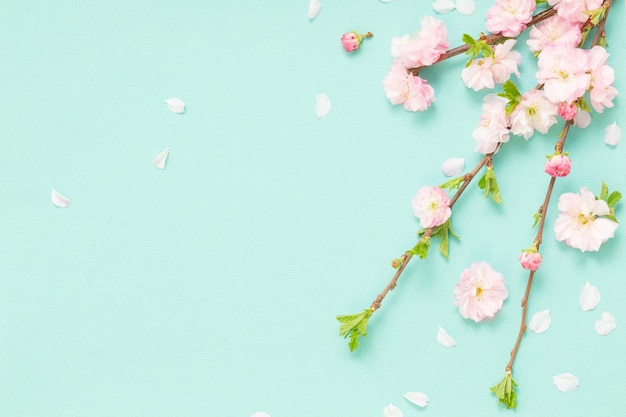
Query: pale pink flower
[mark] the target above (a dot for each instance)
(601, 90)
(554, 31)
(567, 110)
(534, 112)
(423, 49)
(432, 206)
(478, 75)
(563, 71)
(574, 10)
(480, 292)
(579, 223)
(413, 92)
(493, 126)
(509, 17)
(558, 166)
(530, 259)
(485, 72)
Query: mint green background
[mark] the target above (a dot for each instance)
(211, 288)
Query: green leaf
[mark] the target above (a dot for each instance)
(467, 39)
(512, 94)
(613, 198)
(582, 104)
(604, 191)
(421, 248)
(596, 15)
(489, 183)
(452, 184)
(354, 326)
(537, 217)
(505, 391)
(443, 232)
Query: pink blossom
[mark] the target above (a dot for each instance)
(402, 87)
(534, 112)
(574, 10)
(423, 49)
(432, 206)
(493, 126)
(601, 90)
(579, 223)
(530, 260)
(563, 71)
(558, 165)
(480, 292)
(509, 17)
(497, 68)
(351, 41)
(567, 110)
(554, 31)
(478, 75)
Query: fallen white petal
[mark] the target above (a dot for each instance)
(465, 7)
(392, 411)
(565, 382)
(417, 398)
(589, 297)
(444, 338)
(540, 321)
(612, 134)
(314, 9)
(606, 324)
(322, 105)
(443, 6)
(386, 1)
(59, 200)
(453, 166)
(175, 104)
(260, 414)
(160, 159)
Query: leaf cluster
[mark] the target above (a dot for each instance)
(512, 94)
(489, 183)
(354, 326)
(476, 48)
(611, 200)
(505, 391)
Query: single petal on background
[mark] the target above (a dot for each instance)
(175, 104)
(58, 199)
(159, 160)
(322, 105)
(589, 297)
(417, 398)
(392, 411)
(606, 324)
(612, 134)
(443, 6)
(465, 7)
(314, 9)
(540, 321)
(565, 382)
(260, 414)
(444, 338)
(453, 166)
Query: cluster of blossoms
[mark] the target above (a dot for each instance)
(423, 49)
(496, 67)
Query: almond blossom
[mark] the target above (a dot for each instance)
(480, 292)
(423, 49)
(579, 223)
(486, 71)
(563, 71)
(402, 87)
(493, 127)
(554, 31)
(574, 10)
(534, 112)
(509, 17)
(601, 90)
(432, 206)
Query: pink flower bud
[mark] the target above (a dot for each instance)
(567, 110)
(351, 41)
(558, 166)
(530, 260)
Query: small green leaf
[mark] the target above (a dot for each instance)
(537, 217)
(604, 191)
(613, 198)
(582, 104)
(421, 248)
(443, 232)
(505, 391)
(489, 183)
(452, 184)
(467, 39)
(354, 326)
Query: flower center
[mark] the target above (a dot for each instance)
(583, 220)
(479, 291)
(433, 206)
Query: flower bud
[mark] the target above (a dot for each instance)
(397, 263)
(567, 110)
(351, 41)
(530, 259)
(558, 165)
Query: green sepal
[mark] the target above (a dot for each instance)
(421, 248)
(476, 48)
(595, 15)
(512, 94)
(453, 184)
(505, 391)
(537, 217)
(489, 183)
(354, 326)
(582, 104)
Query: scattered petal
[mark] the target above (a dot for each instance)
(160, 159)
(175, 104)
(465, 7)
(453, 166)
(260, 414)
(612, 134)
(540, 321)
(417, 398)
(386, 1)
(322, 105)
(589, 297)
(606, 324)
(314, 9)
(59, 200)
(565, 382)
(392, 411)
(443, 6)
(445, 339)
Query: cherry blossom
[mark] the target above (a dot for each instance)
(579, 223)
(509, 17)
(574, 10)
(486, 71)
(554, 31)
(480, 292)
(493, 127)
(601, 90)
(402, 87)
(423, 49)
(563, 71)
(432, 206)
(534, 112)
